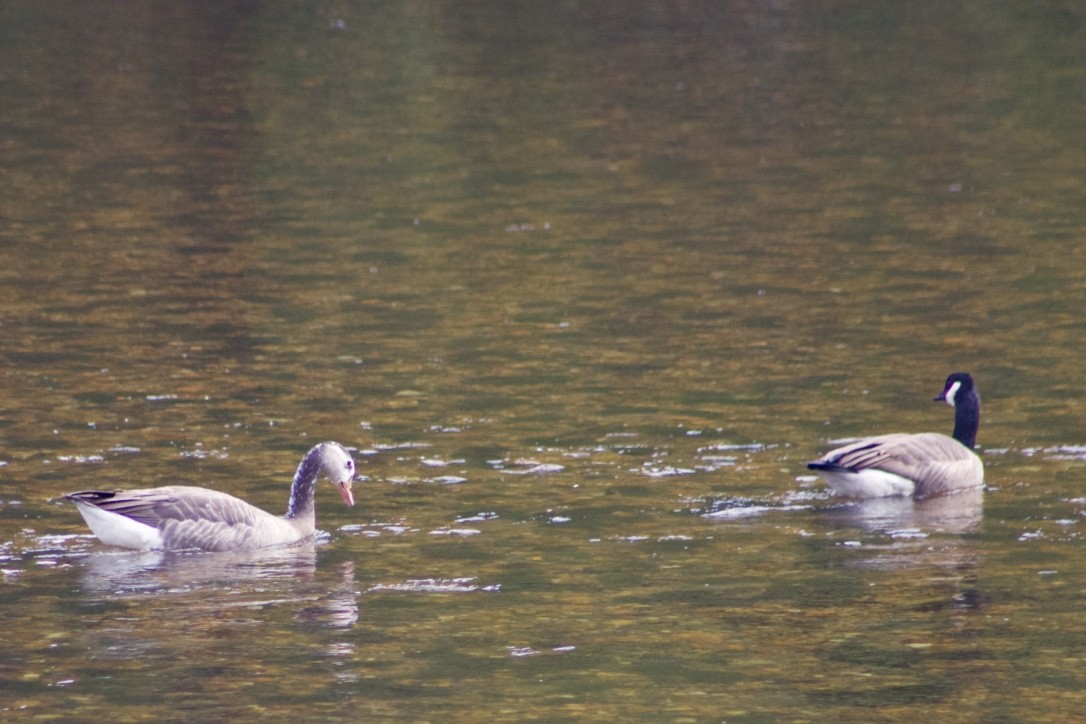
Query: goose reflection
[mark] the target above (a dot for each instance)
(164, 604)
(932, 534)
(282, 576)
(337, 609)
(959, 513)
(121, 574)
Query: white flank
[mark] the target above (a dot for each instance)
(869, 483)
(117, 530)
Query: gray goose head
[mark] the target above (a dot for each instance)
(328, 459)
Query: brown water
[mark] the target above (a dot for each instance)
(584, 286)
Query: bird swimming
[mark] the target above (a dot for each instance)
(918, 465)
(181, 517)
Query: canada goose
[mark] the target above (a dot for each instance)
(179, 517)
(919, 465)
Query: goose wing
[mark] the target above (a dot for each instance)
(155, 506)
(936, 463)
(191, 517)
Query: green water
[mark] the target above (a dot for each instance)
(583, 286)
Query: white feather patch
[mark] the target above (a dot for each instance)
(869, 483)
(117, 530)
(951, 393)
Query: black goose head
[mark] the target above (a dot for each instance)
(960, 393)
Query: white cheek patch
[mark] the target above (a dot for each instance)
(951, 393)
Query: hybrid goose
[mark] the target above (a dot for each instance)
(180, 517)
(920, 465)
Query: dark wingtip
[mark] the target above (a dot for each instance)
(91, 495)
(832, 467)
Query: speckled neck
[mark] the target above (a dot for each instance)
(302, 489)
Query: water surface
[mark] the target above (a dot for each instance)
(583, 288)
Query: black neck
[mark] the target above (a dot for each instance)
(967, 419)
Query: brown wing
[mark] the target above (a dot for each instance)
(897, 453)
